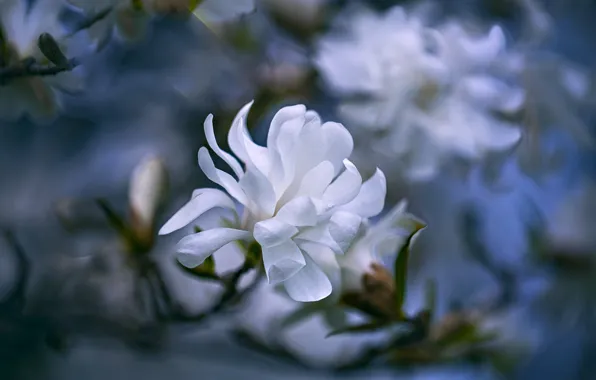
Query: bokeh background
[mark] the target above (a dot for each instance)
(150, 97)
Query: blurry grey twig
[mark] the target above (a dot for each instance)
(18, 293)
(279, 352)
(470, 225)
(89, 22)
(229, 296)
(419, 332)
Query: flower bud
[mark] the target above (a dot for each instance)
(303, 14)
(377, 295)
(148, 186)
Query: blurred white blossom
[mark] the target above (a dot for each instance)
(21, 26)
(417, 93)
(303, 201)
(574, 223)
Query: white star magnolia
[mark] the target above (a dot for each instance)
(131, 24)
(22, 26)
(428, 93)
(303, 200)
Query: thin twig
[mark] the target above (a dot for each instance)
(229, 296)
(419, 332)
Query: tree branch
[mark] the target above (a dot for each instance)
(30, 67)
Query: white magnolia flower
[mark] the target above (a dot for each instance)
(421, 94)
(131, 19)
(22, 25)
(303, 201)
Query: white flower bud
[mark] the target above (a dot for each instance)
(148, 185)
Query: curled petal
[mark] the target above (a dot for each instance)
(234, 140)
(339, 143)
(345, 187)
(203, 200)
(371, 198)
(310, 284)
(228, 158)
(316, 180)
(194, 249)
(220, 177)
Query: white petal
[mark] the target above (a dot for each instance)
(220, 177)
(319, 234)
(235, 143)
(490, 92)
(255, 154)
(310, 284)
(202, 201)
(272, 232)
(194, 249)
(282, 261)
(282, 116)
(316, 180)
(258, 189)
(371, 198)
(345, 187)
(298, 212)
(327, 261)
(228, 158)
(283, 143)
(339, 143)
(242, 145)
(343, 228)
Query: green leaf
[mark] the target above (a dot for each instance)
(363, 328)
(114, 220)
(50, 49)
(401, 269)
